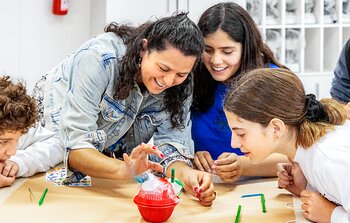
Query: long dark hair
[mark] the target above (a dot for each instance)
(238, 24)
(177, 31)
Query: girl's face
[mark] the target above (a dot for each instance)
(254, 140)
(222, 55)
(161, 70)
(8, 143)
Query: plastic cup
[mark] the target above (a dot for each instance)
(156, 201)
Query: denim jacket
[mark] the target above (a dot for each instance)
(79, 105)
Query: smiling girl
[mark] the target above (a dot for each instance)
(233, 45)
(268, 112)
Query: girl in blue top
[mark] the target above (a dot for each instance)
(233, 46)
(119, 90)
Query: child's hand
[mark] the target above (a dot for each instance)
(228, 167)
(199, 184)
(138, 162)
(203, 161)
(285, 179)
(10, 169)
(316, 207)
(291, 178)
(5, 180)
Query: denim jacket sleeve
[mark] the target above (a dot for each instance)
(176, 144)
(89, 77)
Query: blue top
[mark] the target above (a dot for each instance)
(210, 130)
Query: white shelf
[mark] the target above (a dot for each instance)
(318, 45)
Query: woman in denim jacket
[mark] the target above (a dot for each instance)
(119, 90)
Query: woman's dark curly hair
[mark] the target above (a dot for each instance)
(177, 31)
(18, 111)
(239, 25)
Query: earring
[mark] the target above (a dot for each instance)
(140, 59)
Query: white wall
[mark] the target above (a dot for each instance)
(136, 12)
(97, 17)
(33, 40)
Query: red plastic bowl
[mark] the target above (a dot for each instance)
(158, 204)
(156, 214)
(162, 195)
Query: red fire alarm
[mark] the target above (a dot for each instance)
(60, 7)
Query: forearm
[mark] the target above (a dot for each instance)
(266, 167)
(180, 169)
(93, 163)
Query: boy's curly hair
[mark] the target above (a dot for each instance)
(18, 111)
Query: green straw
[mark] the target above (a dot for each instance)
(172, 175)
(238, 213)
(263, 203)
(43, 196)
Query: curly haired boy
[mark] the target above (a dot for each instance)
(37, 148)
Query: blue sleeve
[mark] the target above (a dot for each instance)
(89, 79)
(340, 89)
(271, 65)
(175, 143)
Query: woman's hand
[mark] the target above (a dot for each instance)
(138, 162)
(199, 184)
(203, 161)
(316, 207)
(228, 167)
(291, 178)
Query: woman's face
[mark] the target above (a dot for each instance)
(222, 55)
(8, 143)
(161, 70)
(254, 140)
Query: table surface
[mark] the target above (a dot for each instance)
(112, 201)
